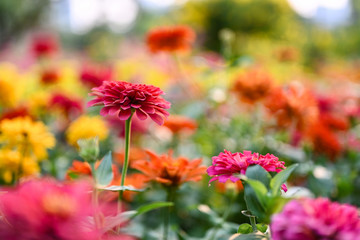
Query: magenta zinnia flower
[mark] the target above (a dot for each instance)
(316, 219)
(45, 209)
(123, 98)
(227, 164)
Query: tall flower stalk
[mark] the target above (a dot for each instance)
(126, 157)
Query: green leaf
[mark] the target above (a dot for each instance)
(245, 228)
(262, 227)
(155, 205)
(257, 172)
(253, 204)
(259, 189)
(281, 178)
(104, 173)
(122, 188)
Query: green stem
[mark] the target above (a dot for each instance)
(170, 198)
(95, 196)
(126, 157)
(253, 223)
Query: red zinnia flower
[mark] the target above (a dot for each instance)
(68, 106)
(93, 76)
(123, 98)
(170, 39)
(227, 164)
(49, 76)
(44, 45)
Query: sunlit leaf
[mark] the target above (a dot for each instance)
(104, 173)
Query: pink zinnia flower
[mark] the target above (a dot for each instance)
(123, 98)
(227, 164)
(45, 209)
(316, 219)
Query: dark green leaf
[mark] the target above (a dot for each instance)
(104, 173)
(253, 203)
(281, 178)
(245, 228)
(257, 172)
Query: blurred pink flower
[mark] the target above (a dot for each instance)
(316, 219)
(123, 98)
(45, 209)
(227, 164)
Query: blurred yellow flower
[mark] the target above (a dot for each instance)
(13, 164)
(86, 127)
(38, 102)
(9, 88)
(30, 138)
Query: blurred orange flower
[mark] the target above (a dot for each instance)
(222, 187)
(170, 39)
(293, 105)
(169, 171)
(253, 86)
(324, 140)
(177, 123)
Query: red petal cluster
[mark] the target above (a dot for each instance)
(170, 39)
(44, 45)
(123, 98)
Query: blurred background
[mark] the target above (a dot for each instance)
(321, 29)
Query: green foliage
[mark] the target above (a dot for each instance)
(104, 173)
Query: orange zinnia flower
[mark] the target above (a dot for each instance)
(324, 140)
(295, 104)
(169, 171)
(177, 124)
(253, 86)
(170, 39)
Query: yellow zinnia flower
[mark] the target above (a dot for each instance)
(86, 127)
(30, 138)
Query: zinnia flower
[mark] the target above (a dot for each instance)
(293, 105)
(253, 86)
(32, 138)
(67, 106)
(49, 76)
(316, 219)
(177, 124)
(227, 164)
(122, 99)
(44, 45)
(170, 39)
(86, 127)
(45, 209)
(169, 171)
(14, 164)
(94, 76)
